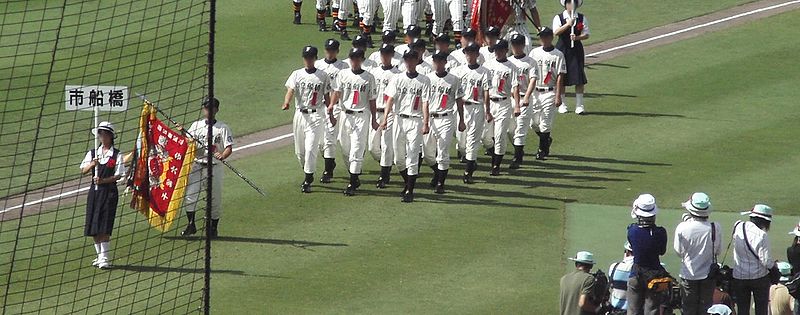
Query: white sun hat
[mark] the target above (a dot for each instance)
(719, 309)
(699, 205)
(583, 257)
(760, 211)
(644, 206)
(796, 231)
(578, 3)
(107, 126)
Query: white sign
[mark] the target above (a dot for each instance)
(102, 97)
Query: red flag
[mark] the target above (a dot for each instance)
(487, 13)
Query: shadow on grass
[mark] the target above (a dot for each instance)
(155, 269)
(588, 159)
(632, 114)
(295, 243)
(602, 64)
(601, 95)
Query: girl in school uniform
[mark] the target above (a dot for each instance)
(106, 165)
(572, 27)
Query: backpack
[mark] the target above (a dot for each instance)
(794, 286)
(601, 287)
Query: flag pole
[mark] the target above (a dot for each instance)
(572, 29)
(96, 141)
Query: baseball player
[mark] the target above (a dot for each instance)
(492, 36)
(443, 10)
(309, 88)
(367, 10)
(475, 82)
(354, 92)
(391, 13)
(544, 89)
(423, 67)
(405, 93)
(330, 65)
(442, 43)
(458, 54)
(503, 89)
(360, 42)
(321, 11)
(410, 10)
(520, 24)
(341, 9)
(380, 141)
(388, 39)
(519, 132)
(222, 147)
(412, 33)
(444, 100)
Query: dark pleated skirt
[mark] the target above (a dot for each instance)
(101, 209)
(575, 60)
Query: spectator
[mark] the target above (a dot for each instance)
(697, 242)
(752, 260)
(618, 274)
(793, 256)
(720, 309)
(721, 296)
(780, 302)
(577, 286)
(648, 242)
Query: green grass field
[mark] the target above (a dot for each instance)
(716, 113)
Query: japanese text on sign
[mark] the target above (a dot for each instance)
(102, 97)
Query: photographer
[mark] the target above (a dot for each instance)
(618, 274)
(648, 242)
(793, 256)
(697, 242)
(577, 287)
(752, 260)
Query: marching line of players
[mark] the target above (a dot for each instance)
(405, 108)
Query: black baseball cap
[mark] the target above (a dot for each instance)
(388, 35)
(212, 102)
(359, 41)
(387, 49)
(413, 31)
(440, 55)
(469, 33)
(472, 47)
(442, 38)
(501, 44)
(331, 44)
(410, 54)
(417, 43)
(493, 31)
(356, 53)
(309, 52)
(517, 39)
(545, 31)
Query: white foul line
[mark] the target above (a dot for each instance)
(636, 43)
(707, 24)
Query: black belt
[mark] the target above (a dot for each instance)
(497, 99)
(406, 116)
(545, 89)
(435, 115)
(380, 110)
(308, 111)
(471, 103)
(351, 112)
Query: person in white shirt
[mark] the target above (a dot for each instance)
(388, 38)
(752, 260)
(331, 65)
(504, 97)
(521, 122)
(572, 28)
(618, 274)
(444, 100)
(309, 88)
(697, 242)
(221, 146)
(354, 92)
(380, 141)
(475, 81)
(459, 54)
(405, 93)
(412, 33)
(492, 35)
(106, 166)
(361, 42)
(442, 43)
(420, 47)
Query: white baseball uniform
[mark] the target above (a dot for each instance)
(461, 58)
(475, 83)
(446, 9)
(391, 13)
(407, 94)
(451, 62)
(521, 123)
(520, 23)
(504, 79)
(444, 92)
(366, 9)
(366, 65)
(403, 48)
(422, 68)
(411, 10)
(345, 8)
(375, 57)
(549, 64)
(357, 91)
(380, 141)
(310, 91)
(329, 137)
(223, 138)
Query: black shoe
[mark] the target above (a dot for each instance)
(541, 156)
(297, 18)
(323, 27)
(336, 27)
(384, 178)
(468, 179)
(191, 229)
(429, 30)
(514, 164)
(439, 188)
(345, 36)
(407, 196)
(517, 160)
(350, 190)
(381, 184)
(435, 176)
(496, 161)
(489, 151)
(305, 188)
(326, 177)
(213, 232)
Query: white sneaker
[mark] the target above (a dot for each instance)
(95, 262)
(103, 263)
(563, 108)
(579, 109)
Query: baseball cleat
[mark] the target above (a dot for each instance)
(468, 179)
(326, 178)
(579, 110)
(103, 263)
(381, 184)
(191, 229)
(541, 156)
(350, 190)
(563, 109)
(95, 262)
(305, 188)
(323, 27)
(439, 189)
(296, 18)
(514, 165)
(407, 197)
(495, 171)
(345, 36)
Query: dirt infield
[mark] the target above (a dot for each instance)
(70, 192)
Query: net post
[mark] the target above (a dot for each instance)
(209, 158)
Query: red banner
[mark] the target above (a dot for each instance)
(487, 13)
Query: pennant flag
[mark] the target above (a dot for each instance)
(487, 13)
(163, 160)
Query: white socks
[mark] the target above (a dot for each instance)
(103, 253)
(579, 99)
(97, 249)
